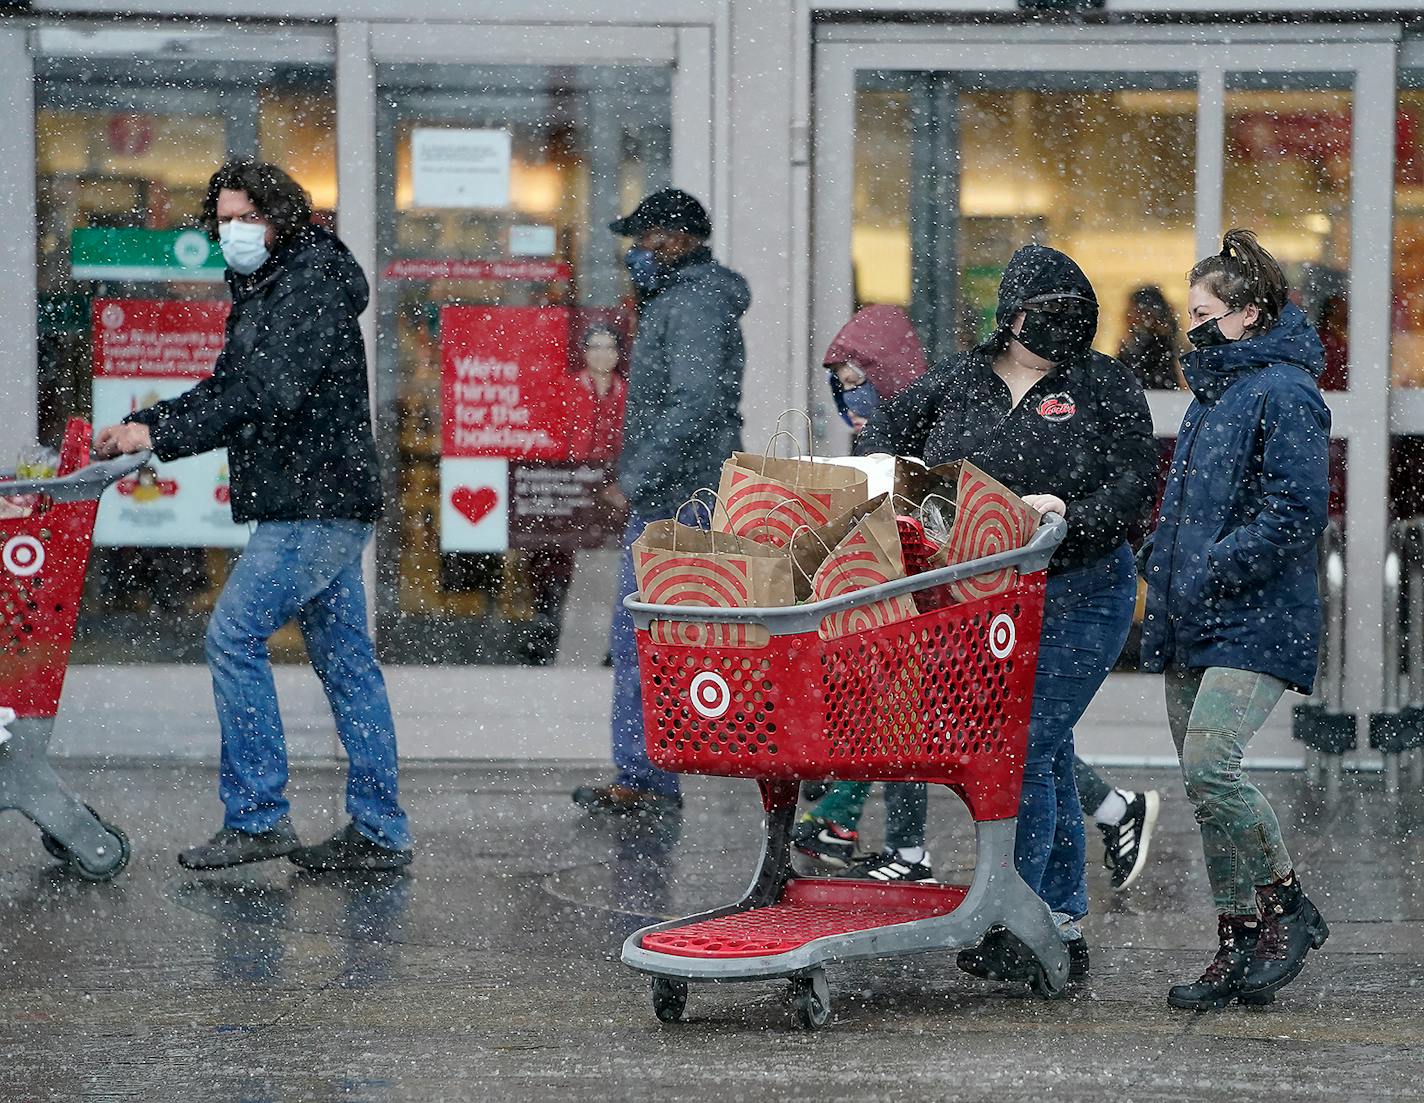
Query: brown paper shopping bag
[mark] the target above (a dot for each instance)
(768, 498)
(869, 555)
(679, 565)
(988, 518)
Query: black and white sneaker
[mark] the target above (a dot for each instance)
(827, 842)
(889, 866)
(1126, 843)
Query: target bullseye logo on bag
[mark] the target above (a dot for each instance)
(23, 556)
(711, 696)
(1002, 636)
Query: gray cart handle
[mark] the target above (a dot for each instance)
(796, 619)
(83, 485)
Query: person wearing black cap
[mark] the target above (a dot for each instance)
(1068, 429)
(683, 419)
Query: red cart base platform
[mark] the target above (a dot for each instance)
(808, 910)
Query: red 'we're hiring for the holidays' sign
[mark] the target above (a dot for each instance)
(503, 373)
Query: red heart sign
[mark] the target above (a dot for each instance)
(474, 505)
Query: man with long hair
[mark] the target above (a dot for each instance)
(289, 400)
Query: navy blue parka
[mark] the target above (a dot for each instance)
(1231, 578)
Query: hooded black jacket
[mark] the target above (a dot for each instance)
(1082, 433)
(288, 397)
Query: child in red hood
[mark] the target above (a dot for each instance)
(875, 356)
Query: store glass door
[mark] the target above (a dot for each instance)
(1132, 156)
(505, 321)
(954, 171)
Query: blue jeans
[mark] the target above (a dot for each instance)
(310, 570)
(1086, 617)
(630, 747)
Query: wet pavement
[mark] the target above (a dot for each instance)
(490, 971)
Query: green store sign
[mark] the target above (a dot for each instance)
(151, 256)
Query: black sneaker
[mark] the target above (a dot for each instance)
(230, 847)
(827, 842)
(348, 849)
(889, 866)
(1125, 844)
(1078, 960)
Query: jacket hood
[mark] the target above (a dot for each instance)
(1292, 340)
(1034, 271)
(1038, 270)
(881, 342)
(319, 252)
(709, 276)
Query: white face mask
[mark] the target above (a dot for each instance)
(244, 245)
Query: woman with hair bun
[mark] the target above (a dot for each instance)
(1233, 610)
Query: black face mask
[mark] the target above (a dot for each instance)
(1208, 335)
(1061, 333)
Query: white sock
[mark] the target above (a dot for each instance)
(911, 854)
(1113, 808)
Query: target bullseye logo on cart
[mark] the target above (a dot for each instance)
(23, 556)
(711, 696)
(1002, 636)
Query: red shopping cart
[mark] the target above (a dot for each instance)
(942, 697)
(43, 557)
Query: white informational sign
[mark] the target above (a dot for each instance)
(460, 168)
(532, 241)
(474, 505)
(182, 504)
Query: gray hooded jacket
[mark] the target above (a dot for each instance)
(685, 387)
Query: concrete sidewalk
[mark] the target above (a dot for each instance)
(490, 972)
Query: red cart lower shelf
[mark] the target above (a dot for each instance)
(807, 910)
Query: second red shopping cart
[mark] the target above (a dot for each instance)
(943, 697)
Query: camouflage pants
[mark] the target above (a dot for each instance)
(1213, 714)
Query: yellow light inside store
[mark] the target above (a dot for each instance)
(536, 188)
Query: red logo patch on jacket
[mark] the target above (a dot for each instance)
(1057, 407)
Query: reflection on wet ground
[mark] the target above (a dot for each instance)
(490, 970)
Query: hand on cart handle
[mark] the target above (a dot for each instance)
(86, 484)
(123, 439)
(1046, 503)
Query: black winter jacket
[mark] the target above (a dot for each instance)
(685, 386)
(1082, 433)
(288, 397)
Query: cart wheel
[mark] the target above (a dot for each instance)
(669, 999)
(1045, 986)
(811, 998)
(58, 850)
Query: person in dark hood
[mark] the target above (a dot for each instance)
(877, 355)
(1233, 609)
(288, 399)
(683, 418)
(1068, 429)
